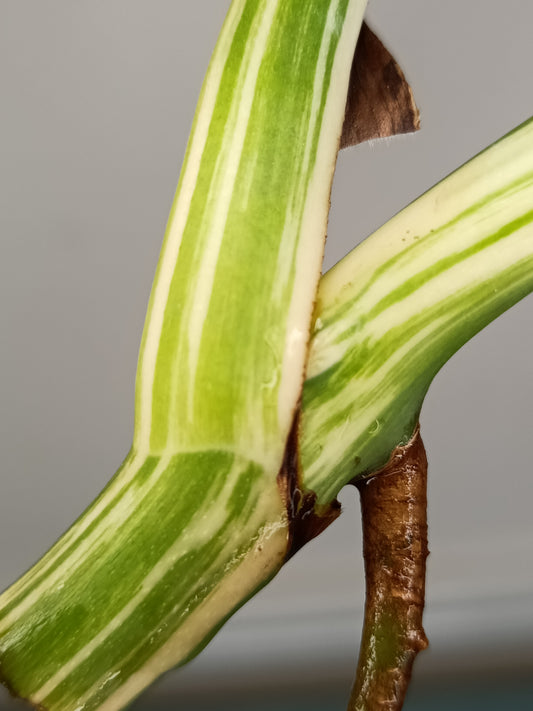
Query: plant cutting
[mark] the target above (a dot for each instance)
(216, 492)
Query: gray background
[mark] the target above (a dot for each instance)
(96, 100)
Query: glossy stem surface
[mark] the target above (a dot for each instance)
(394, 517)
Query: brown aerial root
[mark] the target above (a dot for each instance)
(394, 517)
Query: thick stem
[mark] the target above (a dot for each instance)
(393, 505)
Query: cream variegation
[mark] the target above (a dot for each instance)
(194, 523)
(392, 312)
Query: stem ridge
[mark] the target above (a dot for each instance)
(394, 519)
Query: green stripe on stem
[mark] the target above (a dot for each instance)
(391, 313)
(194, 523)
(367, 378)
(467, 265)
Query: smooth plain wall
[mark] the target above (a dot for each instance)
(96, 101)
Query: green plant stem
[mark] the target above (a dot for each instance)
(178, 541)
(194, 523)
(390, 314)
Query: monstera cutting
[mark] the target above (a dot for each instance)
(262, 389)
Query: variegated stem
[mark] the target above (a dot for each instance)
(194, 522)
(393, 311)
(477, 233)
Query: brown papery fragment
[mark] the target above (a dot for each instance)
(380, 101)
(393, 506)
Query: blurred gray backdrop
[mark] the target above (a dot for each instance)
(96, 101)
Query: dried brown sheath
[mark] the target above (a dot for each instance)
(393, 506)
(380, 101)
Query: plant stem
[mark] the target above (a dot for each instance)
(194, 523)
(393, 506)
(393, 311)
